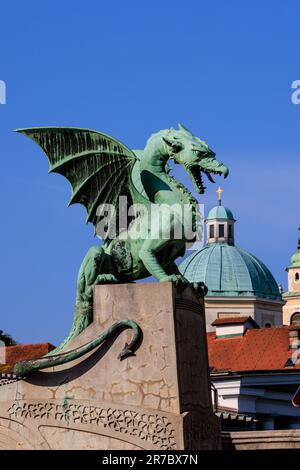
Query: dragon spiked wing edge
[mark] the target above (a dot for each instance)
(97, 165)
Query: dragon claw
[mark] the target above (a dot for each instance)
(200, 289)
(182, 283)
(106, 279)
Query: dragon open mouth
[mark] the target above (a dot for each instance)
(196, 174)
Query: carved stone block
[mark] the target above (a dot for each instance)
(158, 399)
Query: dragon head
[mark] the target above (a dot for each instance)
(195, 155)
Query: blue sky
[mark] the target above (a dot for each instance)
(222, 68)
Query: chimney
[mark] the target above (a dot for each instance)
(233, 327)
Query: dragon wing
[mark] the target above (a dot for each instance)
(97, 165)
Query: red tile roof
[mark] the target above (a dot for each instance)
(259, 349)
(23, 352)
(237, 320)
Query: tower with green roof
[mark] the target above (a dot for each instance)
(291, 310)
(238, 282)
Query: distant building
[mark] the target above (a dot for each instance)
(238, 283)
(291, 310)
(10, 355)
(253, 358)
(255, 374)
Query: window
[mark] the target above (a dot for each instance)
(221, 230)
(229, 231)
(297, 277)
(295, 318)
(268, 325)
(211, 231)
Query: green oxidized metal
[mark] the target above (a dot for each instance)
(101, 170)
(295, 259)
(220, 212)
(230, 271)
(53, 359)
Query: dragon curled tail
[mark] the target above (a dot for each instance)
(52, 359)
(104, 173)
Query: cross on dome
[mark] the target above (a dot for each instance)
(219, 191)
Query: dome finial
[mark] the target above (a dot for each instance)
(219, 191)
(295, 259)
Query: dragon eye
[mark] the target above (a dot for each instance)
(178, 146)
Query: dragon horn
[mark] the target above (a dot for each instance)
(184, 129)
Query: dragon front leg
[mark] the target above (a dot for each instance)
(199, 287)
(151, 263)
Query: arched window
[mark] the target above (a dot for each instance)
(295, 319)
(297, 277)
(268, 325)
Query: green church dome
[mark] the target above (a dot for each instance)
(295, 260)
(230, 271)
(220, 212)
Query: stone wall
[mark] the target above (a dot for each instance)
(262, 440)
(158, 399)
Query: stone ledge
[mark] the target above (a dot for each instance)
(256, 440)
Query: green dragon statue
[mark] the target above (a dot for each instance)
(104, 174)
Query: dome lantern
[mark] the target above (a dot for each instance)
(291, 310)
(220, 223)
(239, 284)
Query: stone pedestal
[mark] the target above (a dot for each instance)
(158, 399)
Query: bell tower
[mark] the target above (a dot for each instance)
(291, 310)
(294, 270)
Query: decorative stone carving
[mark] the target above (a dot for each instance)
(158, 399)
(154, 427)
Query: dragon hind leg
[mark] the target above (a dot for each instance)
(89, 275)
